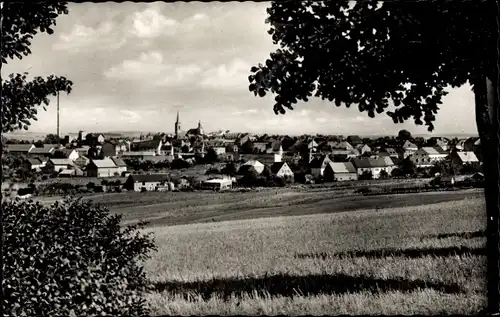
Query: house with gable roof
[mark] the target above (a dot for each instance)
(102, 168)
(464, 157)
(409, 148)
(340, 171)
(373, 165)
(427, 156)
(18, 149)
(318, 165)
(281, 169)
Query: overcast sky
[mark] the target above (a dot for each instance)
(135, 65)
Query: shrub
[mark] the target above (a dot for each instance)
(72, 258)
(90, 185)
(366, 175)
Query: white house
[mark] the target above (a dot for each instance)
(149, 182)
(409, 148)
(427, 156)
(340, 171)
(281, 169)
(375, 166)
(72, 155)
(102, 168)
(58, 165)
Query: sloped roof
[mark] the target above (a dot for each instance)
(150, 178)
(254, 163)
(312, 144)
(34, 161)
(381, 162)
(275, 167)
(342, 167)
(467, 157)
(18, 147)
(41, 150)
(146, 145)
(354, 151)
(368, 162)
(317, 162)
(391, 151)
(84, 148)
(118, 161)
(83, 157)
(138, 153)
(408, 144)
(431, 151)
(50, 146)
(104, 163)
(59, 161)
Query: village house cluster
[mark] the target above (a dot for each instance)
(329, 158)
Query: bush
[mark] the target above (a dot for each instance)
(366, 175)
(72, 258)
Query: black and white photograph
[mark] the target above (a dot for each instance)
(250, 158)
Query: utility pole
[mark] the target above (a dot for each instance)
(58, 138)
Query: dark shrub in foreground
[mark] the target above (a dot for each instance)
(71, 258)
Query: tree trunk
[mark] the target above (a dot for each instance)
(487, 102)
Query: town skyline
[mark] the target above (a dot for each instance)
(145, 62)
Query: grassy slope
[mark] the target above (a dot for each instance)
(417, 260)
(184, 208)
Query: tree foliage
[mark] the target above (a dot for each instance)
(51, 139)
(404, 135)
(361, 55)
(20, 97)
(71, 258)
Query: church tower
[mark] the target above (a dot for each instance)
(177, 126)
(200, 129)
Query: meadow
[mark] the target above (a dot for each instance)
(313, 252)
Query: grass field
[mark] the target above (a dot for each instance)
(183, 208)
(311, 251)
(416, 254)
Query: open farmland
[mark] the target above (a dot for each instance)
(426, 259)
(160, 208)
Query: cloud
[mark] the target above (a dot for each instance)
(244, 112)
(147, 65)
(231, 75)
(131, 116)
(150, 69)
(83, 37)
(150, 23)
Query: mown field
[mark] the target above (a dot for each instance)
(427, 259)
(312, 251)
(315, 251)
(161, 208)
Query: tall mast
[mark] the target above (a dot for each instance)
(58, 117)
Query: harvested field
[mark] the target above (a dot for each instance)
(183, 208)
(416, 255)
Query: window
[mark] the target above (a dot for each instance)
(416, 160)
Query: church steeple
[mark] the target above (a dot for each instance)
(177, 126)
